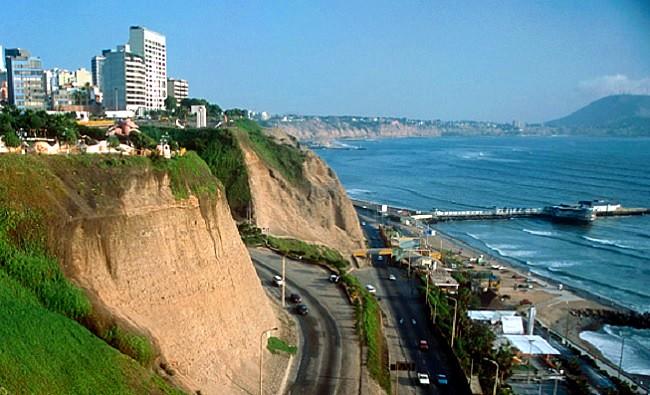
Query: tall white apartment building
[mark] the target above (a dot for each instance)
(123, 80)
(152, 47)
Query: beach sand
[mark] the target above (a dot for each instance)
(557, 308)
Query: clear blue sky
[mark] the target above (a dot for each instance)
(486, 60)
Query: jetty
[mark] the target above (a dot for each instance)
(583, 212)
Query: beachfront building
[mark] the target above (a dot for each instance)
(123, 80)
(24, 80)
(178, 89)
(152, 47)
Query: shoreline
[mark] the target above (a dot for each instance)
(565, 311)
(525, 271)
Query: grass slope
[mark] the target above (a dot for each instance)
(46, 353)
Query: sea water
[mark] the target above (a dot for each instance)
(609, 258)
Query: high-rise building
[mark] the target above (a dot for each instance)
(152, 47)
(25, 79)
(178, 89)
(123, 80)
(96, 64)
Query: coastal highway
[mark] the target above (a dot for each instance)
(330, 354)
(407, 322)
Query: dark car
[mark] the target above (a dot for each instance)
(302, 309)
(424, 345)
(295, 298)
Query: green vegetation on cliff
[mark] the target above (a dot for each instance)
(221, 150)
(44, 352)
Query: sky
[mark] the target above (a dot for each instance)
(450, 60)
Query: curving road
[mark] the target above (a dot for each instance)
(329, 359)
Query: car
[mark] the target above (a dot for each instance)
(424, 345)
(423, 379)
(334, 278)
(278, 281)
(442, 379)
(371, 289)
(302, 309)
(295, 298)
(392, 277)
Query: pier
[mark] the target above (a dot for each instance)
(551, 212)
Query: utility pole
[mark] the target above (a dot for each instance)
(453, 330)
(284, 279)
(262, 354)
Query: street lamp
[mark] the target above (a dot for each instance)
(496, 375)
(453, 328)
(262, 352)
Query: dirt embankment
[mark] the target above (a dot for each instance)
(176, 270)
(318, 211)
(317, 130)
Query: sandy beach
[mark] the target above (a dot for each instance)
(554, 305)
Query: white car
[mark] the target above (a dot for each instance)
(278, 281)
(423, 379)
(371, 289)
(392, 277)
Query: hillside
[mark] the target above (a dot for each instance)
(277, 183)
(619, 114)
(143, 253)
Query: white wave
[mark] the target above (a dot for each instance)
(359, 192)
(539, 232)
(636, 352)
(509, 250)
(615, 243)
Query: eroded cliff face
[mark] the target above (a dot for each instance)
(176, 270)
(318, 212)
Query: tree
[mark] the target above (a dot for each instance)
(113, 141)
(11, 139)
(141, 140)
(170, 103)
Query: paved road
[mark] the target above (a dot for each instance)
(400, 302)
(330, 356)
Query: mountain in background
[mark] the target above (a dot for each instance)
(618, 114)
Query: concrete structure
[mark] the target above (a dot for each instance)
(123, 80)
(178, 89)
(81, 77)
(531, 345)
(491, 316)
(25, 80)
(201, 116)
(152, 47)
(96, 66)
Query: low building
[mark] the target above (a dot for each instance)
(178, 89)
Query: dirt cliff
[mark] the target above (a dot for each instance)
(318, 210)
(173, 268)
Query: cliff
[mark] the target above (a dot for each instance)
(270, 178)
(317, 211)
(328, 128)
(155, 248)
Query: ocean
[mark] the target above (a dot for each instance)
(609, 258)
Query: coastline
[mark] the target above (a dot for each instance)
(560, 310)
